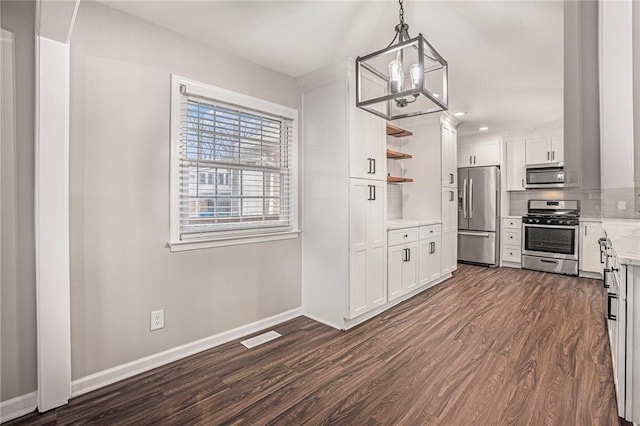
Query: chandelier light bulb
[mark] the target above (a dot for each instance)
(415, 73)
(395, 76)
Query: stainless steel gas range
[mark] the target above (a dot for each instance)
(550, 233)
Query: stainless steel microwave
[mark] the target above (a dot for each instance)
(545, 177)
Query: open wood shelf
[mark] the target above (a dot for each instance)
(395, 155)
(396, 179)
(397, 132)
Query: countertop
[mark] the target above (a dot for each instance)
(625, 239)
(410, 223)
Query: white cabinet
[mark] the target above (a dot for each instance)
(429, 261)
(544, 150)
(449, 261)
(511, 241)
(403, 269)
(589, 254)
(515, 165)
(449, 144)
(413, 259)
(367, 140)
(367, 242)
(344, 271)
(481, 153)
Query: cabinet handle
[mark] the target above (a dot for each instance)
(450, 177)
(553, 155)
(604, 283)
(548, 156)
(408, 255)
(372, 193)
(432, 246)
(373, 160)
(585, 231)
(609, 314)
(474, 159)
(369, 160)
(450, 195)
(471, 159)
(523, 183)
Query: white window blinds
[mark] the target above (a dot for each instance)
(234, 169)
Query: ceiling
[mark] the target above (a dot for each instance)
(505, 58)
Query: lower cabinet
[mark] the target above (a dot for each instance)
(414, 258)
(511, 240)
(590, 233)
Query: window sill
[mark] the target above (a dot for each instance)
(230, 241)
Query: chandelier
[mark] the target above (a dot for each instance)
(407, 78)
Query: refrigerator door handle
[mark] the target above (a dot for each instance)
(464, 199)
(470, 198)
(474, 234)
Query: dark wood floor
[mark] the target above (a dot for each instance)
(490, 346)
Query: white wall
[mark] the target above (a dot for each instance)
(121, 268)
(18, 306)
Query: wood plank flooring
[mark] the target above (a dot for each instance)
(490, 346)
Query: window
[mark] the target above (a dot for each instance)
(233, 165)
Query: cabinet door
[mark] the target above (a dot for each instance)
(538, 151)
(590, 232)
(396, 258)
(366, 145)
(449, 231)
(557, 149)
(358, 246)
(435, 259)
(449, 159)
(516, 168)
(465, 155)
(376, 290)
(410, 268)
(486, 153)
(367, 242)
(424, 246)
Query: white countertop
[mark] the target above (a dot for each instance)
(512, 217)
(410, 223)
(625, 239)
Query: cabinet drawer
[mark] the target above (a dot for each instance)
(429, 231)
(400, 236)
(511, 254)
(511, 237)
(512, 223)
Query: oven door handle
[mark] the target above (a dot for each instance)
(549, 261)
(529, 225)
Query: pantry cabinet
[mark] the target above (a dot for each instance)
(345, 237)
(449, 144)
(478, 154)
(367, 242)
(449, 261)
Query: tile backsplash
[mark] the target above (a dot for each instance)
(590, 200)
(394, 202)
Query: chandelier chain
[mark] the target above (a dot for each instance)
(401, 12)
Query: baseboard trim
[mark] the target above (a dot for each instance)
(18, 406)
(106, 377)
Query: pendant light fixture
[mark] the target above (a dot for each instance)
(404, 79)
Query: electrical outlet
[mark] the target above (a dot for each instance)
(622, 205)
(157, 319)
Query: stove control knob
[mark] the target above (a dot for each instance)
(536, 220)
(560, 222)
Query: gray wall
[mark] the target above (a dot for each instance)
(18, 304)
(121, 268)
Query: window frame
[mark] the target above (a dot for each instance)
(225, 238)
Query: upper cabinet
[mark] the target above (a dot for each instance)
(367, 140)
(449, 142)
(481, 153)
(544, 150)
(515, 165)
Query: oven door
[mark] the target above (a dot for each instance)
(559, 242)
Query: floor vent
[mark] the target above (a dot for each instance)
(260, 339)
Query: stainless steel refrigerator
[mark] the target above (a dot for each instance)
(478, 209)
